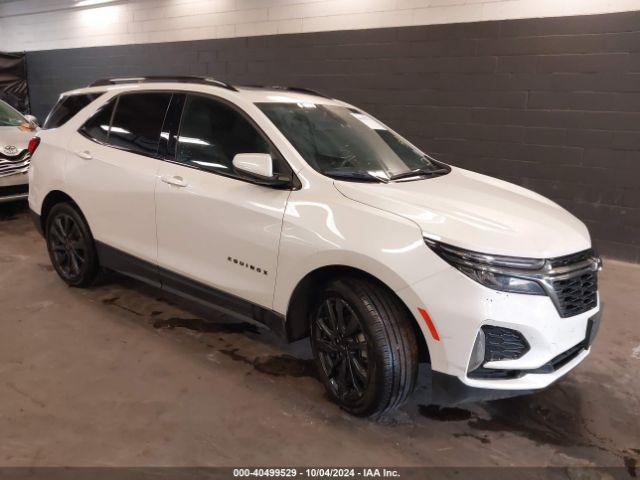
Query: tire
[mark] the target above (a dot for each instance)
(375, 336)
(71, 247)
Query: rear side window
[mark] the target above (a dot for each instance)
(212, 133)
(67, 107)
(138, 120)
(97, 127)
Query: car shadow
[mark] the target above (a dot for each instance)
(13, 210)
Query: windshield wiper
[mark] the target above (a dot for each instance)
(360, 176)
(419, 172)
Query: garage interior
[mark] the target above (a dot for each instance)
(542, 94)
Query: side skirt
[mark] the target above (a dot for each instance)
(195, 295)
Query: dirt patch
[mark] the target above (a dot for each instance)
(481, 438)
(631, 466)
(235, 356)
(114, 302)
(545, 418)
(444, 414)
(276, 365)
(286, 365)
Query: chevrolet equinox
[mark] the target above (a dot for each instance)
(310, 216)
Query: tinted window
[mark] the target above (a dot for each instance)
(138, 120)
(212, 133)
(97, 127)
(67, 107)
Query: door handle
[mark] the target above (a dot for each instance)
(84, 154)
(175, 181)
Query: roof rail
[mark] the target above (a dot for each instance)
(201, 80)
(293, 89)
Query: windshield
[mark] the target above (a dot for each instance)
(10, 117)
(346, 143)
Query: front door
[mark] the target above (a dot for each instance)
(215, 228)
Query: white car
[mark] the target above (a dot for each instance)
(308, 215)
(16, 131)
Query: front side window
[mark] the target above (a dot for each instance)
(67, 107)
(9, 117)
(212, 133)
(345, 143)
(138, 120)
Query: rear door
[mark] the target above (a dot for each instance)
(111, 173)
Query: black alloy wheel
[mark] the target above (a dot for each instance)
(71, 246)
(342, 349)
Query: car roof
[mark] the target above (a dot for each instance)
(253, 94)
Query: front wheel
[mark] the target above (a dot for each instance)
(71, 247)
(364, 346)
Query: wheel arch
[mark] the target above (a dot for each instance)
(301, 302)
(53, 198)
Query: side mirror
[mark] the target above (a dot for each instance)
(32, 120)
(259, 167)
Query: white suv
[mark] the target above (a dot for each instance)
(306, 214)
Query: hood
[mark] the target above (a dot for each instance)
(14, 137)
(479, 213)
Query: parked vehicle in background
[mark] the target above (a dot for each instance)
(306, 214)
(16, 132)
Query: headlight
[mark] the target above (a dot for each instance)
(507, 274)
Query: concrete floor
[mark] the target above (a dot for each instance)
(115, 376)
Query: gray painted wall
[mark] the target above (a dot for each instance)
(551, 104)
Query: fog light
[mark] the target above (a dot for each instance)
(477, 354)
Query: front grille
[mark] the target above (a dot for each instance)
(13, 165)
(503, 344)
(576, 295)
(572, 259)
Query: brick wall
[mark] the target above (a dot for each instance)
(29, 25)
(551, 104)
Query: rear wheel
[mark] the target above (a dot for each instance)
(364, 346)
(71, 246)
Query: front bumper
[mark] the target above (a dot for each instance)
(14, 187)
(458, 307)
(448, 390)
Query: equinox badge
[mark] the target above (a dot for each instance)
(247, 265)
